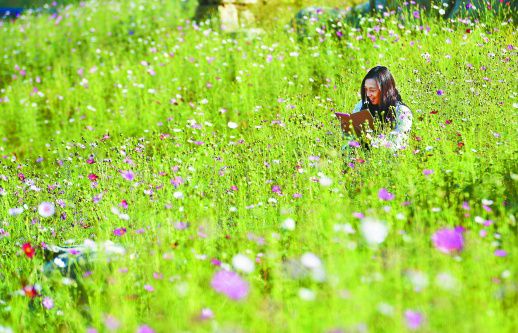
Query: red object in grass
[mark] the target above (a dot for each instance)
(28, 250)
(460, 144)
(30, 291)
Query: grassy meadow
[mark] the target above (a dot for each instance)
(213, 164)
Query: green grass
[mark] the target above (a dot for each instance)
(85, 78)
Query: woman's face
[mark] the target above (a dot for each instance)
(372, 91)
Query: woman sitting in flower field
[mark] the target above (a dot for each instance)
(382, 99)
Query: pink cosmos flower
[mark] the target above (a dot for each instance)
(448, 240)
(145, 329)
(413, 319)
(385, 195)
(277, 189)
(427, 172)
(230, 284)
(48, 303)
(46, 209)
(177, 181)
(500, 253)
(128, 175)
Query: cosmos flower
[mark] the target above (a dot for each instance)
(373, 231)
(48, 303)
(448, 240)
(28, 250)
(127, 174)
(288, 224)
(119, 231)
(310, 260)
(15, 211)
(413, 319)
(242, 263)
(145, 329)
(230, 284)
(385, 195)
(206, 313)
(93, 177)
(30, 291)
(46, 209)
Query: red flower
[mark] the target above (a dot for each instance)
(93, 177)
(434, 112)
(28, 250)
(460, 144)
(30, 291)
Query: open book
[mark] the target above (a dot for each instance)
(356, 123)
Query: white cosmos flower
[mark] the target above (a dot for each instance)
(46, 209)
(178, 195)
(487, 202)
(310, 260)
(288, 224)
(232, 124)
(243, 263)
(325, 181)
(373, 231)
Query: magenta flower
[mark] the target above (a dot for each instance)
(427, 172)
(385, 195)
(448, 240)
(230, 284)
(119, 231)
(416, 14)
(413, 319)
(500, 253)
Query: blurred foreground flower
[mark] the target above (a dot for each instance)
(230, 284)
(413, 319)
(373, 231)
(448, 240)
(242, 263)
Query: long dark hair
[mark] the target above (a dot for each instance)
(389, 96)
